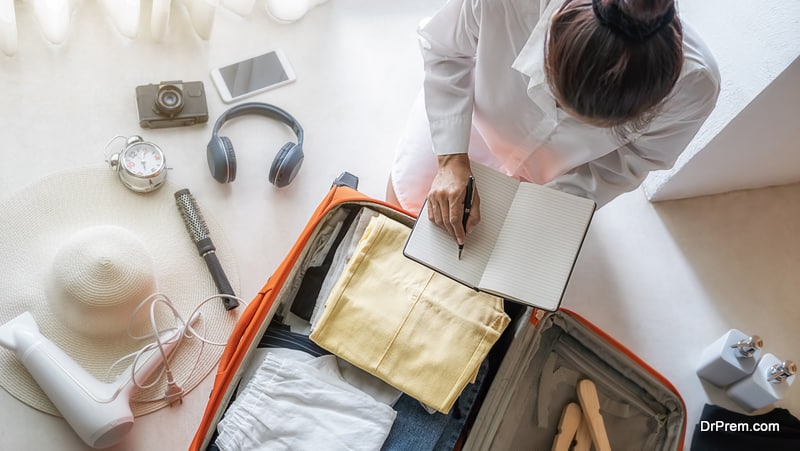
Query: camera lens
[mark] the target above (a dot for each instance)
(169, 99)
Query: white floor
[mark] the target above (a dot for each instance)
(663, 279)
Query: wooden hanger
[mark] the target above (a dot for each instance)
(583, 438)
(590, 404)
(571, 418)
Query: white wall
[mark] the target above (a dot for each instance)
(750, 140)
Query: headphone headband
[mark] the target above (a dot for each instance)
(262, 109)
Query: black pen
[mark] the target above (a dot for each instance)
(467, 208)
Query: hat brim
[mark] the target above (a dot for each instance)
(36, 220)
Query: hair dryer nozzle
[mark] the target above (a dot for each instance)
(7, 335)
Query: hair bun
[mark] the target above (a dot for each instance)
(628, 23)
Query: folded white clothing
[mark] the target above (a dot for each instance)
(298, 406)
(358, 378)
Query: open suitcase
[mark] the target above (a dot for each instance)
(528, 378)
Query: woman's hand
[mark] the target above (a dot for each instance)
(447, 194)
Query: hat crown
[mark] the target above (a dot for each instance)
(98, 278)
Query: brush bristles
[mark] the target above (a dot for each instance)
(192, 217)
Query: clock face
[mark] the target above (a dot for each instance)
(142, 159)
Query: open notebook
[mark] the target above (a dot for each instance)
(523, 249)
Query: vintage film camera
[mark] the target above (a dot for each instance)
(171, 104)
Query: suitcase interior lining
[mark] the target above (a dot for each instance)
(546, 364)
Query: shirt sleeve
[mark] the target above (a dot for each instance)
(659, 147)
(448, 43)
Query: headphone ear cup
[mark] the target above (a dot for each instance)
(286, 164)
(221, 159)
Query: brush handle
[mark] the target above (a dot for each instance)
(220, 280)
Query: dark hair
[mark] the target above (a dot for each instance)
(612, 62)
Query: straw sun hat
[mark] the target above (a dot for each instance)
(80, 252)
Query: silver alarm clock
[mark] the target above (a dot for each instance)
(141, 165)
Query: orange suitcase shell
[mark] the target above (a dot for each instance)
(666, 410)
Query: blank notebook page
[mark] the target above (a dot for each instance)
(534, 256)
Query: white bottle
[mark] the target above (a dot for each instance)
(768, 383)
(732, 357)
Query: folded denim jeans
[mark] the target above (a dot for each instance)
(415, 329)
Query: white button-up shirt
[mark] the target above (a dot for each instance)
(484, 66)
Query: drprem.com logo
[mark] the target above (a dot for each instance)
(725, 426)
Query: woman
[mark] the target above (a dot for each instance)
(584, 96)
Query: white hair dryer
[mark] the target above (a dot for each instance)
(99, 412)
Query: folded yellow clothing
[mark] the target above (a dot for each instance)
(413, 328)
